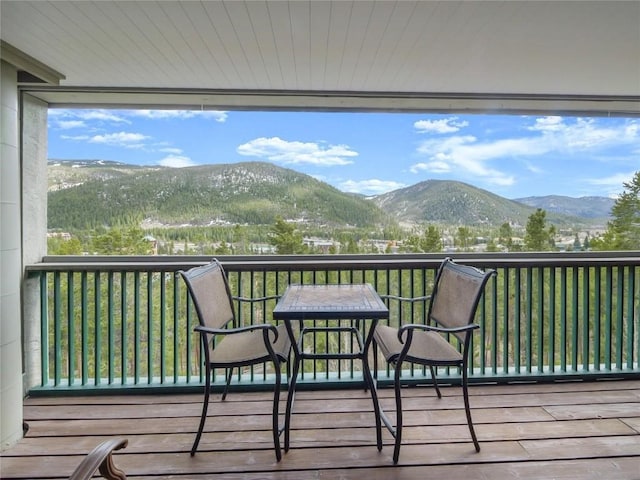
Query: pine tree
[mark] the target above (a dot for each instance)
(538, 236)
(623, 231)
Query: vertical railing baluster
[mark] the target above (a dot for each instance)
(563, 322)
(150, 336)
(505, 274)
(517, 314)
(44, 329)
(163, 328)
(97, 285)
(124, 339)
(540, 318)
(176, 334)
(136, 330)
(551, 302)
(492, 292)
(575, 331)
(529, 320)
(71, 332)
(586, 289)
(631, 315)
(57, 329)
(110, 327)
(608, 318)
(84, 299)
(620, 299)
(597, 315)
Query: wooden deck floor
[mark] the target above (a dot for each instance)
(560, 430)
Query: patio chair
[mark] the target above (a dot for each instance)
(101, 458)
(228, 346)
(442, 340)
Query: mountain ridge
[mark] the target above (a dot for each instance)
(90, 193)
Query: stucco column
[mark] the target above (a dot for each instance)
(34, 153)
(11, 395)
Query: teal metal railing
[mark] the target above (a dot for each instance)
(126, 322)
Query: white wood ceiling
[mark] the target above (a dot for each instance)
(417, 48)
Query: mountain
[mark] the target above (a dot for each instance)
(64, 174)
(94, 193)
(87, 194)
(585, 207)
(457, 203)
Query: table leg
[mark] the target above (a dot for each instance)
(366, 372)
(290, 398)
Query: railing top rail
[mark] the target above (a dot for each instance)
(323, 262)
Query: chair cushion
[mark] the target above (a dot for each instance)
(426, 347)
(249, 347)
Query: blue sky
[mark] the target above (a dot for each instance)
(370, 153)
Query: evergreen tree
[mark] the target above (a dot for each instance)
(623, 231)
(538, 236)
(285, 238)
(505, 235)
(431, 240)
(577, 246)
(463, 238)
(118, 241)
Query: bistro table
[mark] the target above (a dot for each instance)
(354, 302)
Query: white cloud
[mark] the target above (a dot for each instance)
(175, 151)
(547, 124)
(612, 185)
(584, 133)
(101, 115)
(467, 155)
(126, 139)
(218, 116)
(470, 157)
(277, 150)
(445, 125)
(69, 124)
(75, 138)
(433, 167)
(533, 168)
(370, 187)
(176, 161)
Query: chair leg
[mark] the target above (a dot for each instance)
(205, 406)
(229, 374)
(398, 435)
(465, 394)
(275, 415)
(435, 380)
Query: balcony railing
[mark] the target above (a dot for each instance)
(126, 322)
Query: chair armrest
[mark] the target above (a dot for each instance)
(231, 331)
(433, 328)
(101, 459)
(256, 299)
(405, 299)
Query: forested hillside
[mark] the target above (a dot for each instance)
(243, 193)
(85, 194)
(457, 203)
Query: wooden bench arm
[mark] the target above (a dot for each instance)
(101, 459)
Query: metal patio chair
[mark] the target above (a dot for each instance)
(227, 346)
(101, 459)
(442, 340)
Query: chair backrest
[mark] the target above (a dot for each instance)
(209, 290)
(456, 294)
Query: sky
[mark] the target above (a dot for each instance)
(513, 156)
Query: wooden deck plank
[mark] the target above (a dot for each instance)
(355, 437)
(566, 430)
